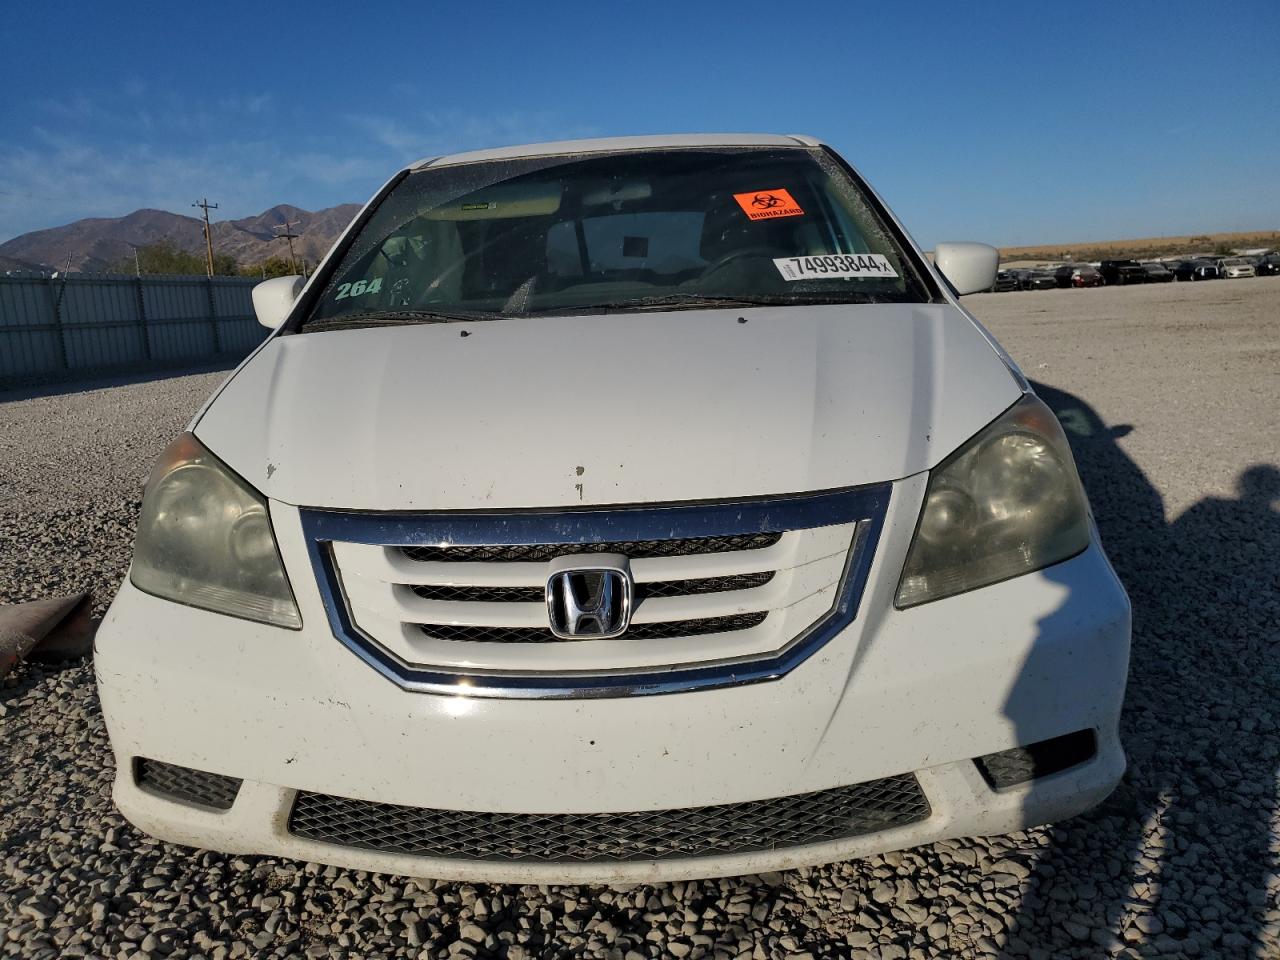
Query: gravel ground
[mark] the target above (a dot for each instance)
(1171, 395)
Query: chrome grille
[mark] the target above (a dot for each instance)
(691, 588)
(540, 552)
(640, 631)
(671, 588)
(183, 783)
(429, 591)
(681, 591)
(724, 593)
(647, 835)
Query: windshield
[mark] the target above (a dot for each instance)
(1235, 262)
(631, 230)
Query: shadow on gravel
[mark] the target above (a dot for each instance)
(102, 381)
(1178, 861)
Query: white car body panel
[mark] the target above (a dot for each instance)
(388, 419)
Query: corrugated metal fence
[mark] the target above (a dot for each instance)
(63, 327)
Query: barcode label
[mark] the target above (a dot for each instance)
(835, 265)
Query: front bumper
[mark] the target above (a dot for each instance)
(921, 691)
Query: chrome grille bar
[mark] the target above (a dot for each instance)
(658, 588)
(517, 553)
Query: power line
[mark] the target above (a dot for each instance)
(204, 204)
(290, 236)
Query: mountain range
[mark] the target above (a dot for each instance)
(100, 244)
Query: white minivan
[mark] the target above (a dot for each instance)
(616, 510)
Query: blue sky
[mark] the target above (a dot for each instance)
(1018, 123)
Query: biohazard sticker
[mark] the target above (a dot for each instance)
(768, 204)
(872, 265)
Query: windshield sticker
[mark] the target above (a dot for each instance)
(872, 265)
(358, 288)
(768, 204)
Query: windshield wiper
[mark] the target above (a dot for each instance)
(701, 299)
(694, 300)
(672, 300)
(396, 318)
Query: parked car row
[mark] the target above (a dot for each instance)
(1123, 272)
(1028, 279)
(1234, 267)
(1196, 270)
(1120, 272)
(1157, 272)
(1077, 275)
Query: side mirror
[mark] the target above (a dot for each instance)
(969, 267)
(273, 299)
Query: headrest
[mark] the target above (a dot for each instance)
(726, 228)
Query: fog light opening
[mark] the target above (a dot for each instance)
(1022, 764)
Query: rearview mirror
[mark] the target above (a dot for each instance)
(273, 299)
(968, 267)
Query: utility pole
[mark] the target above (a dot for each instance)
(206, 206)
(137, 267)
(290, 236)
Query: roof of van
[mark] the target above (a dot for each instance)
(614, 144)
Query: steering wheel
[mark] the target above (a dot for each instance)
(420, 294)
(720, 262)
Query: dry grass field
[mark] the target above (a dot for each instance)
(1144, 247)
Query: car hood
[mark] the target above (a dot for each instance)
(613, 409)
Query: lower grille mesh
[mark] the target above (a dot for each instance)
(651, 835)
(183, 783)
(637, 631)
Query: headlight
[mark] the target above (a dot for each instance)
(1006, 503)
(204, 539)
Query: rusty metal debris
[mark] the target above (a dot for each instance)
(55, 629)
